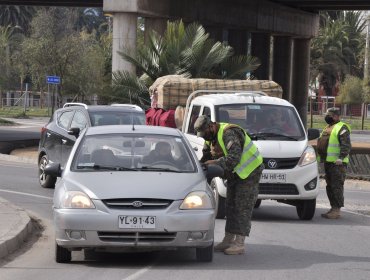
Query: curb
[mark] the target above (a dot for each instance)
(18, 232)
(18, 159)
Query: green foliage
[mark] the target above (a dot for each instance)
(338, 48)
(186, 51)
(351, 91)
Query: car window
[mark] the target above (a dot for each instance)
(141, 152)
(79, 120)
(116, 117)
(65, 118)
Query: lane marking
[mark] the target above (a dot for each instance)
(26, 194)
(138, 273)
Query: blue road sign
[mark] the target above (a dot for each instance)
(53, 80)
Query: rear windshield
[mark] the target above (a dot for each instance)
(266, 122)
(116, 117)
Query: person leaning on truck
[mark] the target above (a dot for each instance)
(229, 146)
(333, 148)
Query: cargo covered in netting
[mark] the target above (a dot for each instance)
(168, 92)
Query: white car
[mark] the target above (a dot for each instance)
(110, 198)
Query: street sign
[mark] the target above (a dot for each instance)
(53, 80)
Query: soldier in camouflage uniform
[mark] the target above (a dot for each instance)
(333, 148)
(230, 147)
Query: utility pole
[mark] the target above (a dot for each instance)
(366, 67)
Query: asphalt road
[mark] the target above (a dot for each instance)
(280, 246)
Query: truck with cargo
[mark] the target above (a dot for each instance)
(291, 171)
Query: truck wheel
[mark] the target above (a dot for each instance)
(205, 254)
(62, 255)
(258, 203)
(221, 211)
(306, 209)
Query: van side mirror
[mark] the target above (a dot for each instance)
(313, 133)
(75, 131)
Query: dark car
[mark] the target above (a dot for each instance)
(59, 135)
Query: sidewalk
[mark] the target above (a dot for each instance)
(15, 226)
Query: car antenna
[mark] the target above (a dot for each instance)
(132, 121)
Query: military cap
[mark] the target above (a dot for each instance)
(333, 110)
(201, 124)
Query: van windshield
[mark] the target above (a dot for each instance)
(262, 121)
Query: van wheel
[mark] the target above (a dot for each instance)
(62, 255)
(46, 181)
(221, 211)
(258, 203)
(306, 209)
(205, 254)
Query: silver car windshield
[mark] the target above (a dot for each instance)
(124, 152)
(262, 121)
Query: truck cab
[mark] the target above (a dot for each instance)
(291, 171)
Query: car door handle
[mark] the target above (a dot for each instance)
(195, 148)
(48, 134)
(64, 141)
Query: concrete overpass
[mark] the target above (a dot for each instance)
(248, 26)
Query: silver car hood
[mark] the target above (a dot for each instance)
(126, 184)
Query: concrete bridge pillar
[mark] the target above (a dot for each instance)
(124, 37)
(261, 49)
(300, 80)
(282, 64)
(158, 25)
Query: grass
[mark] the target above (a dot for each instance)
(354, 122)
(18, 112)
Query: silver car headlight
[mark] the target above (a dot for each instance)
(308, 156)
(77, 200)
(196, 200)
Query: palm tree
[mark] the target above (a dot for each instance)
(20, 16)
(185, 51)
(336, 51)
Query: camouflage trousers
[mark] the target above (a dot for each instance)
(241, 196)
(335, 176)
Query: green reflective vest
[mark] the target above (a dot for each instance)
(250, 158)
(333, 149)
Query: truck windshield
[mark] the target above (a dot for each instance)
(263, 122)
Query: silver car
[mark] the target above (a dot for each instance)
(130, 188)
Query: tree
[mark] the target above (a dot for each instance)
(56, 48)
(337, 50)
(186, 51)
(351, 91)
(10, 40)
(20, 16)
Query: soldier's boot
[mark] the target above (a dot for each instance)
(334, 214)
(324, 215)
(238, 247)
(226, 242)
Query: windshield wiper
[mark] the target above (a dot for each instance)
(150, 168)
(105, 167)
(263, 135)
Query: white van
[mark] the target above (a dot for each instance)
(291, 171)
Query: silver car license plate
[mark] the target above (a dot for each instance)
(136, 221)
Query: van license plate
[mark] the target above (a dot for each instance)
(273, 178)
(136, 221)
